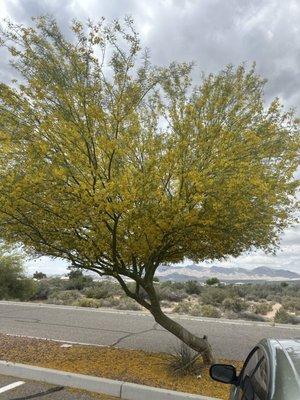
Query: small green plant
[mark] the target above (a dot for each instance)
(184, 361)
(283, 317)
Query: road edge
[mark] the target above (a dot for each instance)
(118, 389)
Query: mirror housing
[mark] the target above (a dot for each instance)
(223, 373)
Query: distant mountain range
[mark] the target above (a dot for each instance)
(201, 273)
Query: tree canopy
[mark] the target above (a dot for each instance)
(118, 166)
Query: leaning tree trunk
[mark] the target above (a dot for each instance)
(199, 344)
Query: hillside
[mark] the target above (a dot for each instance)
(198, 272)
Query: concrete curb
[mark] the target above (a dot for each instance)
(119, 389)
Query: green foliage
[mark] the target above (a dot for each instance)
(39, 275)
(128, 304)
(75, 273)
(84, 302)
(262, 308)
(79, 283)
(110, 302)
(84, 162)
(97, 292)
(103, 289)
(170, 294)
(13, 283)
(283, 317)
(291, 304)
(67, 297)
(210, 311)
(77, 280)
(192, 287)
(196, 310)
(42, 291)
(182, 308)
(183, 361)
(212, 281)
(213, 296)
(234, 304)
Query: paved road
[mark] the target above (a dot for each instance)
(17, 389)
(128, 329)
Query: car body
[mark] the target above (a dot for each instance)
(270, 372)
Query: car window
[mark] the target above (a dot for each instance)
(254, 374)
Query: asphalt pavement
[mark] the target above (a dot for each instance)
(232, 339)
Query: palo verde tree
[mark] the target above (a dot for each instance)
(119, 166)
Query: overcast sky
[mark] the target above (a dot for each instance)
(212, 33)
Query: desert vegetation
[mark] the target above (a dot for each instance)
(277, 302)
(118, 165)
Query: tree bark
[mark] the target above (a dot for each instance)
(200, 345)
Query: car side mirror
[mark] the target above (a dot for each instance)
(223, 373)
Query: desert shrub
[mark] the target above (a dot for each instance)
(170, 294)
(79, 283)
(213, 296)
(42, 290)
(127, 303)
(262, 308)
(250, 316)
(56, 284)
(103, 289)
(283, 317)
(230, 314)
(96, 292)
(39, 275)
(66, 297)
(196, 310)
(13, 283)
(85, 302)
(192, 287)
(184, 361)
(166, 304)
(109, 302)
(24, 289)
(291, 303)
(182, 308)
(234, 304)
(172, 285)
(210, 311)
(212, 281)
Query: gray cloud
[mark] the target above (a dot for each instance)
(213, 33)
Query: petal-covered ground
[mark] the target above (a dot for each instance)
(127, 365)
